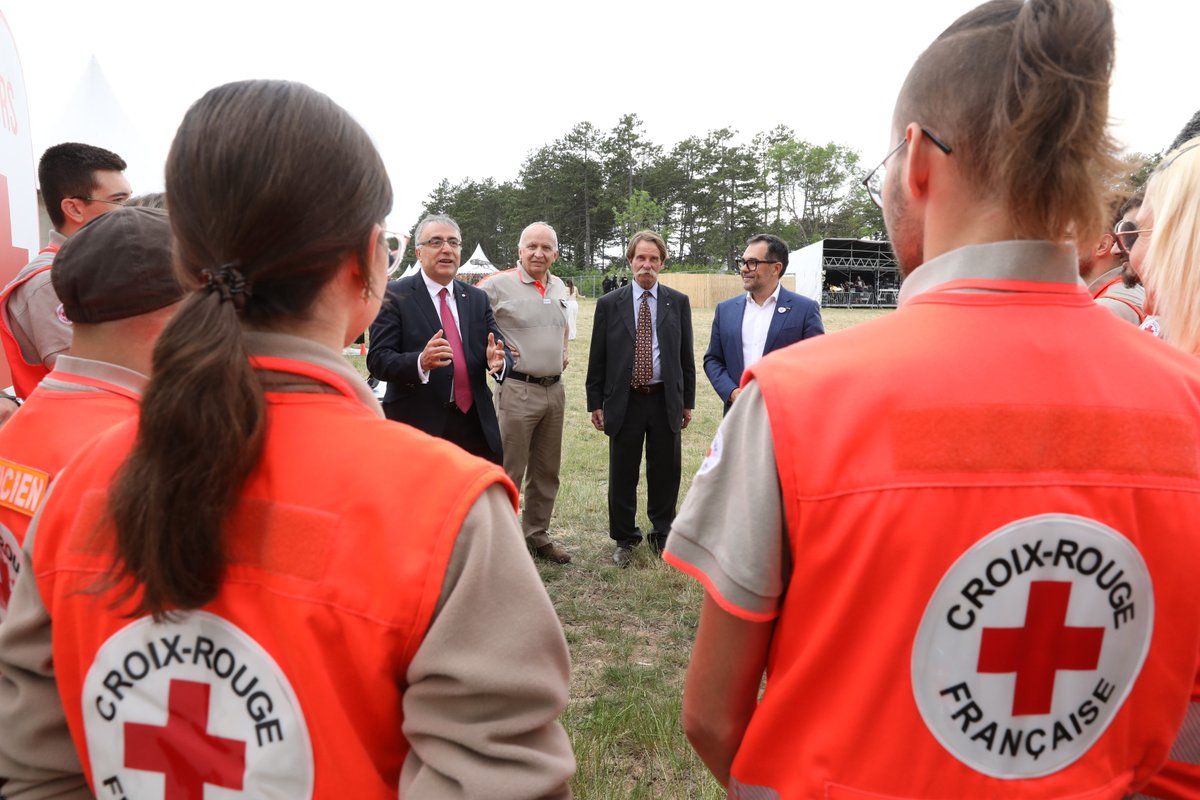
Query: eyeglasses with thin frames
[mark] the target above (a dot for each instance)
(122, 203)
(438, 242)
(874, 179)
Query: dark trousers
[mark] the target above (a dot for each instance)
(645, 423)
(466, 431)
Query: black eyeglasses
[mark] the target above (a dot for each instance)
(751, 264)
(437, 242)
(123, 202)
(874, 179)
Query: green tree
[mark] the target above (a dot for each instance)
(640, 213)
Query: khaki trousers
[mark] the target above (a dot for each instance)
(531, 425)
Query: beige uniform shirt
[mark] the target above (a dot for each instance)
(1119, 298)
(33, 312)
(494, 651)
(535, 326)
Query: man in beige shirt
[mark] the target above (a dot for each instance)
(79, 182)
(530, 306)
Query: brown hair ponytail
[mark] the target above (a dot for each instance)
(272, 185)
(1020, 90)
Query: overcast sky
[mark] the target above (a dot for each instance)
(468, 89)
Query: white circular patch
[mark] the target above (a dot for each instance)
(1031, 643)
(193, 709)
(713, 456)
(10, 567)
(62, 315)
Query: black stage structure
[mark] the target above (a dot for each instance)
(858, 273)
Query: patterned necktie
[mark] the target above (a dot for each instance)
(643, 345)
(462, 384)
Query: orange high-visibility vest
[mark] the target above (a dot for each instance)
(1096, 295)
(994, 554)
(53, 425)
(290, 683)
(35, 444)
(25, 376)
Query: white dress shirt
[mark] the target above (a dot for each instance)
(435, 294)
(756, 321)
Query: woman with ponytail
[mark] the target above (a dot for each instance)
(221, 598)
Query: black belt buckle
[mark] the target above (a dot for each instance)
(649, 388)
(548, 380)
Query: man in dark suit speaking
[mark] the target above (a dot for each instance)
(767, 317)
(641, 388)
(434, 342)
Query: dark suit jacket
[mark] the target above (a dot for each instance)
(406, 323)
(796, 317)
(610, 361)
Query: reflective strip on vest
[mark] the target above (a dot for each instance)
(1187, 743)
(744, 791)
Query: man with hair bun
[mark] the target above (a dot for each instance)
(958, 581)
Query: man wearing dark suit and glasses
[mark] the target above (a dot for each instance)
(766, 318)
(434, 342)
(641, 389)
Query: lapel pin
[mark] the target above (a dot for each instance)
(781, 310)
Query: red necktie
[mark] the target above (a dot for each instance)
(462, 384)
(643, 345)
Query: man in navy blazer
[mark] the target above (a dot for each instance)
(416, 335)
(747, 327)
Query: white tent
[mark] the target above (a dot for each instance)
(477, 267)
(93, 114)
(478, 263)
(805, 266)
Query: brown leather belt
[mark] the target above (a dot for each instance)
(548, 380)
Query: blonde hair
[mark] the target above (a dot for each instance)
(1173, 255)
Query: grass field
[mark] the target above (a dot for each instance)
(630, 630)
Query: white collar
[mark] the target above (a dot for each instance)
(433, 286)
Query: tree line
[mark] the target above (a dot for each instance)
(706, 194)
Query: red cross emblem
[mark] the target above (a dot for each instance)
(1039, 650)
(183, 750)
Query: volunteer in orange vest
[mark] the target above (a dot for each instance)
(79, 182)
(957, 584)
(224, 599)
(118, 288)
(1104, 268)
